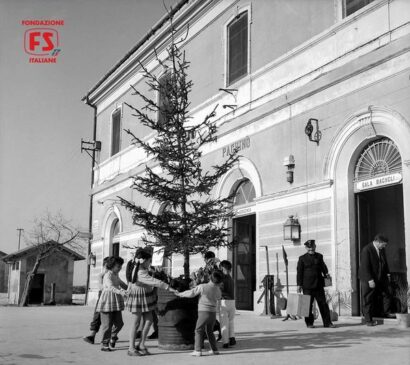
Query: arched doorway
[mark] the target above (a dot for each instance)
(378, 193)
(112, 226)
(349, 142)
(244, 249)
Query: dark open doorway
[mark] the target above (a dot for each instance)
(381, 210)
(36, 294)
(244, 261)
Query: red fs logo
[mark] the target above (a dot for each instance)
(41, 41)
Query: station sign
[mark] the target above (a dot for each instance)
(157, 256)
(378, 182)
(244, 211)
(236, 146)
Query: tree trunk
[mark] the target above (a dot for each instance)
(27, 284)
(186, 264)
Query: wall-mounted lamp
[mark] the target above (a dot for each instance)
(92, 259)
(289, 162)
(309, 131)
(291, 229)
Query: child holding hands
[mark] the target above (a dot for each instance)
(111, 303)
(209, 294)
(96, 321)
(142, 298)
(227, 309)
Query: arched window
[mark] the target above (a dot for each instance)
(378, 158)
(115, 244)
(245, 193)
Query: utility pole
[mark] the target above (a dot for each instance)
(20, 230)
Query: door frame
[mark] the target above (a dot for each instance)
(369, 198)
(361, 202)
(253, 262)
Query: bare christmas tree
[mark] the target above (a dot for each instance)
(192, 220)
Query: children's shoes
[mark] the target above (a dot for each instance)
(89, 339)
(133, 352)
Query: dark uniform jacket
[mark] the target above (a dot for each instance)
(311, 270)
(373, 267)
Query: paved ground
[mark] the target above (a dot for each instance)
(52, 335)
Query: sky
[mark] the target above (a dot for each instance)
(42, 117)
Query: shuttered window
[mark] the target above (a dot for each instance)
(116, 132)
(351, 6)
(238, 48)
(164, 90)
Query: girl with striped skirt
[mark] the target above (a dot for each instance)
(111, 303)
(141, 298)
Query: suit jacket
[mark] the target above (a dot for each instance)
(311, 270)
(371, 266)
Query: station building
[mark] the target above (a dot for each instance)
(315, 94)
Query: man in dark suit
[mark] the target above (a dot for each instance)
(374, 278)
(311, 270)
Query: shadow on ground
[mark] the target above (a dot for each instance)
(273, 341)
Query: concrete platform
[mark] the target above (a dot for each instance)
(52, 335)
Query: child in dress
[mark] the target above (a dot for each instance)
(203, 275)
(209, 294)
(142, 298)
(111, 303)
(96, 321)
(227, 308)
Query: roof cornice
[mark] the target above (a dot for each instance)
(152, 39)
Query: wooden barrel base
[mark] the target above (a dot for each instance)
(176, 321)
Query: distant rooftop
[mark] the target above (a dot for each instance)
(29, 250)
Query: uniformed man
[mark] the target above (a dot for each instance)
(311, 271)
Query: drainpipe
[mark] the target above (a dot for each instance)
(90, 216)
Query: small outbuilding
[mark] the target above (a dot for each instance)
(4, 274)
(53, 282)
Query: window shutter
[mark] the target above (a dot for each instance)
(116, 132)
(163, 98)
(351, 6)
(238, 48)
